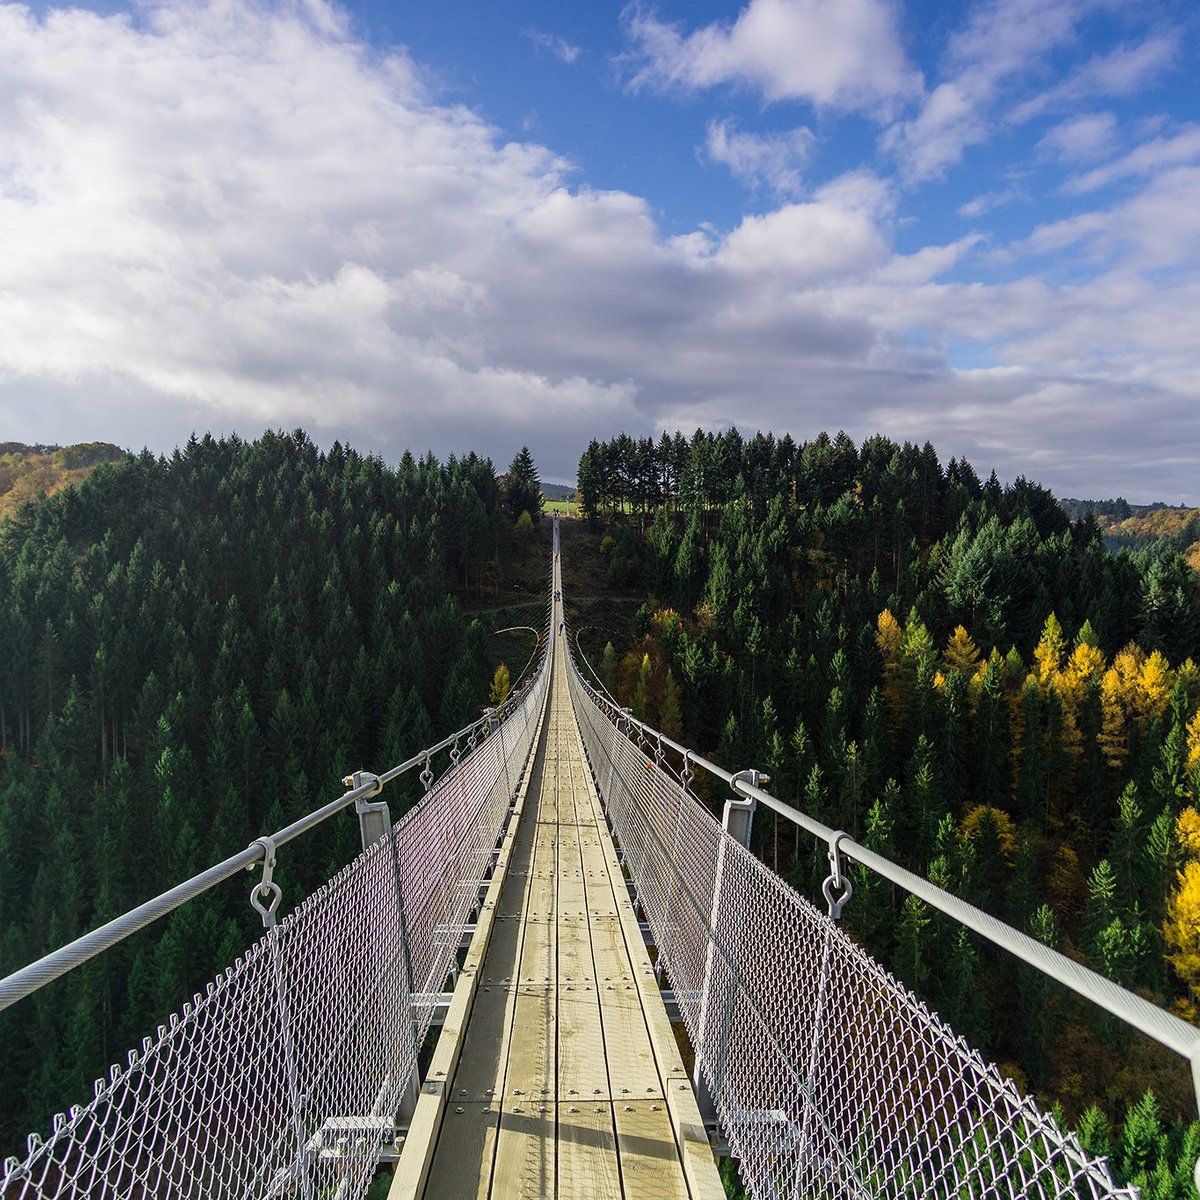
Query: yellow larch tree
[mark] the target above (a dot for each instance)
(1085, 664)
(1187, 832)
(968, 831)
(888, 636)
(500, 686)
(1193, 742)
(962, 654)
(1119, 691)
(1154, 684)
(1181, 927)
(1114, 738)
(1049, 653)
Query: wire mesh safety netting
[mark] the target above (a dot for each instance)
(829, 1078)
(284, 1078)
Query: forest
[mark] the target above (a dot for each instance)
(965, 680)
(194, 650)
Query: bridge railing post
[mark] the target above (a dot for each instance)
(716, 1011)
(375, 825)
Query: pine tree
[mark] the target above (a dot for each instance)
(524, 487)
(670, 714)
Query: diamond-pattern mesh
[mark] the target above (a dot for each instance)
(829, 1078)
(283, 1079)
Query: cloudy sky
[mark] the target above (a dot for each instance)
(468, 225)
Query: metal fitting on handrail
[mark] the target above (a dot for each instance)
(739, 813)
(362, 779)
(837, 881)
(266, 886)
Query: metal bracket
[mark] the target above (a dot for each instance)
(838, 881)
(739, 813)
(266, 886)
(374, 817)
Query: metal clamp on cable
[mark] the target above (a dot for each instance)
(838, 881)
(360, 779)
(426, 773)
(266, 886)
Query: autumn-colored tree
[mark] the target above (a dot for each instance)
(1048, 655)
(888, 636)
(962, 654)
(1154, 682)
(500, 686)
(1181, 928)
(1187, 832)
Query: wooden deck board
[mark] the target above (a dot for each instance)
(587, 1151)
(559, 1087)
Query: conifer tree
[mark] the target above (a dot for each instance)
(524, 487)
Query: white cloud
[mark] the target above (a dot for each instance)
(232, 216)
(986, 202)
(1146, 159)
(807, 244)
(844, 54)
(1120, 72)
(772, 160)
(1084, 138)
(554, 44)
(1002, 42)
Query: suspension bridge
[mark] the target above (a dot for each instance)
(619, 989)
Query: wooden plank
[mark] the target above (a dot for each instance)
(538, 951)
(481, 1064)
(575, 963)
(503, 952)
(650, 1167)
(525, 1152)
(462, 1167)
(587, 1152)
(632, 1070)
(531, 1049)
(582, 1065)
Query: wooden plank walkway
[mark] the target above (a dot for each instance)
(565, 1079)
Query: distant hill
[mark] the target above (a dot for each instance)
(558, 491)
(1155, 527)
(27, 472)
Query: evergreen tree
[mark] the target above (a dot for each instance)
(524, 487)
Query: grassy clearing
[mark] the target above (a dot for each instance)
(565, 508)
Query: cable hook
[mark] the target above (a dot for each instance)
(266, 886)
(837, 881)
(686, 775)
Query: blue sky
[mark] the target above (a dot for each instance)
(473, 225)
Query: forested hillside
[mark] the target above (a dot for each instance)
(952, 671)
(27, 472)
(193, 651)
